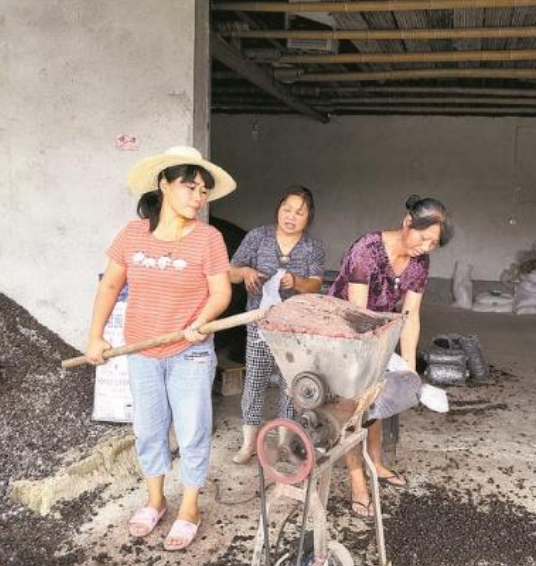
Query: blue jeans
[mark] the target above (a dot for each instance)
(177, 388)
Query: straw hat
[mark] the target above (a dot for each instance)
(142, 178)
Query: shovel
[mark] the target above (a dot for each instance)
(209, 328)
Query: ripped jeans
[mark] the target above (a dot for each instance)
(177, 388)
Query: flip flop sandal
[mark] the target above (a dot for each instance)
(183, 530)
(388, 481)
(147, 518)
(363, 511)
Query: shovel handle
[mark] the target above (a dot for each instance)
(208, 328)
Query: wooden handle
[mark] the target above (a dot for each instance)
(209, 328)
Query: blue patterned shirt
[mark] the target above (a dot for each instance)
(260, 250)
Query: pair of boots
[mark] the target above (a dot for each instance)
(249, 446)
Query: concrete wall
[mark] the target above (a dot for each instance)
(362, 169)
(73, 76)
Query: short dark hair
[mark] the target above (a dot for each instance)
(150, 203)
(428, 211)
(305, 194)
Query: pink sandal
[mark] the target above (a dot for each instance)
(183, 530)
(144, 521)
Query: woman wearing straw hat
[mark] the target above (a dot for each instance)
(177, 270)
(286, 245)
(379, 271)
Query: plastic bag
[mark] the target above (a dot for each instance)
(483, 307)
(462, 286)
(447, 362)
(526, 310)
(530, 277)
(401, 392)
(434, 398)
(524, 299)
(112, 400)
(493, 298)
(478, 366)
(397, 363)
(527, 285)
(270, 290)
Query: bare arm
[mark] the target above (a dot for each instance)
(219, 297)
(358, 294)
(112, 282)
(237, 274)
(252, 279)
(301, 284)
(409, 337)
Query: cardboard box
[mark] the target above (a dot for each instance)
(229, 377)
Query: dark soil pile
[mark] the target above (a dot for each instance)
(460, 528)
(441, 527)
(44, 412)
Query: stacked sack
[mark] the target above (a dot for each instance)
(494, 301)
(525, 294)
(452, 358)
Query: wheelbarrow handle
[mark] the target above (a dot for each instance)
(208, 328)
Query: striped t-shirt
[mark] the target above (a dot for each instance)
(167, 281)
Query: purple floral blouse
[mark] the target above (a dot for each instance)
(366, 262)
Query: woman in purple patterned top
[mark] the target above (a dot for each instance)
(382, 271)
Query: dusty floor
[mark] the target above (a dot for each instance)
(471, 499)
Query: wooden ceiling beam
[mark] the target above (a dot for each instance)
(232, 58)
(364, 109)
(288, 76)
(302, 90)
(428, 57)
(246, 18)
(310, 94)
(440, 110)
(474, 100)
(369, 6)
(389, 35)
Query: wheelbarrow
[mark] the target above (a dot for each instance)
(332, 356)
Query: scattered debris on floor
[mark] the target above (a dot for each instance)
(470, 501)
(435, 526)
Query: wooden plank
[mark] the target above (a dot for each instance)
(527, 74)
(366, 6)
(232, 58)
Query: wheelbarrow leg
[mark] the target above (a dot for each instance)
(375, 492)
(261, 540)
(318, 518)
(390, 436)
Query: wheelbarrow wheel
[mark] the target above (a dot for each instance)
(338, 555)
(289, 457)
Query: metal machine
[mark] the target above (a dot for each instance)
(333, 357)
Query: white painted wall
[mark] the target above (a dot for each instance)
(73, 75)
(362, 169)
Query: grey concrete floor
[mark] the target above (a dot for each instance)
(488, 442)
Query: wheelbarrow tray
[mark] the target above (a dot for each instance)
(346, 345)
